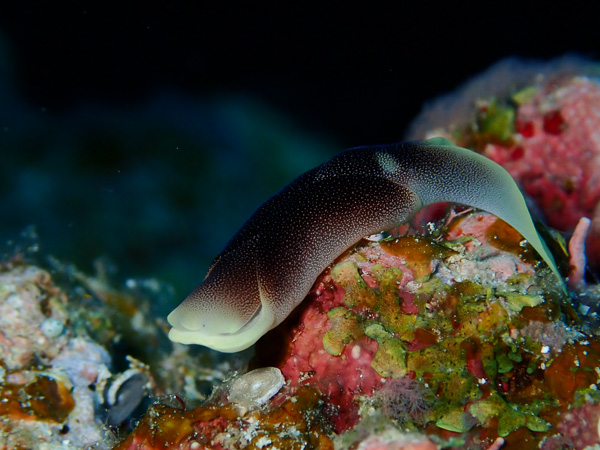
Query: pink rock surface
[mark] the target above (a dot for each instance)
(545, 130)
(557, 156)
(340, 378)
(579, 429)
(28, 299)
(380, 443)
(344, 379)
(36, 341)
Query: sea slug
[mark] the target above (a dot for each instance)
(270, 264)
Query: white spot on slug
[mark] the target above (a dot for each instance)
(387, 162)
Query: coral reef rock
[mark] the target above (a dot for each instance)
(458, 338)
(50, 380)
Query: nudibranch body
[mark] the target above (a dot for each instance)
(271, 263)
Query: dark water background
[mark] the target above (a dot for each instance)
(146, 132)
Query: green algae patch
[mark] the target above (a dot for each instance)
(418, 253)
(468, 289)
(515, 356)
(534, 423)
(494, 319)
(504, 364)
(391, 316)
(456, 420)
(469, 311)
(524, 95)
(470, 327)
(344, 328)
(383, 301)
(448, 356)
(431, 287)
(516, 302)
(357, 293)
(440, 307)
(457, 388)
(376, 331)
(509, 417)
(387, 277)
(346, 275)
(497, 121)
(390, 359)
(403, 325)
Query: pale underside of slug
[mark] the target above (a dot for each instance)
(271, 263)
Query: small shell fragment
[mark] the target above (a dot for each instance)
(52, 328)
(256, 387)
(124, 395)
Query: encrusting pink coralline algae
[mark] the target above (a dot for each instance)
(556, 157)
(545, 132)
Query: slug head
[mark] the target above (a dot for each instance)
(225, 316)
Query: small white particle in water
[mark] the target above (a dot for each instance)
(356, 352)
(52, 328)
(543, 366)
(545, 349)
(138, 321)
